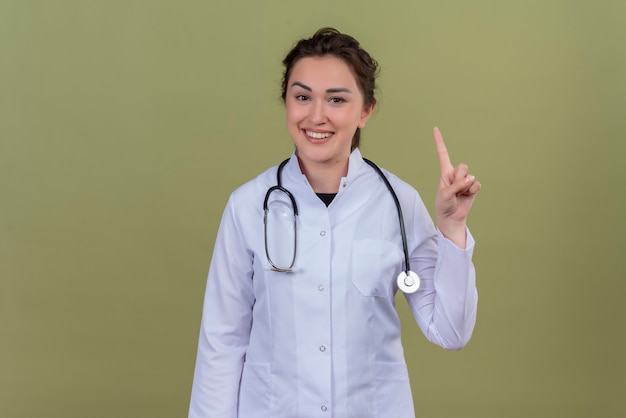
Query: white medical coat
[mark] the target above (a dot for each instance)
(324, 341)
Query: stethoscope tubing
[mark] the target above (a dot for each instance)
(280, 188)
(407, 280)
(405, 247)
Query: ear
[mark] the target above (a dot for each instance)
(365, 115)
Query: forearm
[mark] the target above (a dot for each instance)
(456, 232)
(446, 304)
(456, 295)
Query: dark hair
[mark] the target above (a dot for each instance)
(329, 41)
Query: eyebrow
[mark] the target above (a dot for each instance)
(331, 90)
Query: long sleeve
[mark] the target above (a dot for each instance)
(445, 307)
(226, 323)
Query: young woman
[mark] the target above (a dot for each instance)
(299, 317)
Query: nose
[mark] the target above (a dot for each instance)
(318, 112)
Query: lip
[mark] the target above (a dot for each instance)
(317, 140)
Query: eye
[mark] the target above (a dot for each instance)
(302, 97)
(336, 100)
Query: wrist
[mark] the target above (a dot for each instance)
(454, 231)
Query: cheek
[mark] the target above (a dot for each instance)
(353, 119)
(292, 113)
(292, 120)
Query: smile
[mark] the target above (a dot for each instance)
(318, 135)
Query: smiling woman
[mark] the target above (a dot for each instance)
(325, 107)
(323, 337)
(328, 42)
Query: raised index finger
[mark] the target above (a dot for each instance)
(442, 151)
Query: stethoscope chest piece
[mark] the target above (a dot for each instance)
(408, 282)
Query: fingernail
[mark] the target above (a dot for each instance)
(469, 179)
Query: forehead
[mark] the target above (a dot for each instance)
(323, 72)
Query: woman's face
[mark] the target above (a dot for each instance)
(324, 108)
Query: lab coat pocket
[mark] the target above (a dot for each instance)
(393, 390)
(254, 391)
(375, 265)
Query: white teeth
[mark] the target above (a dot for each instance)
(318, 135)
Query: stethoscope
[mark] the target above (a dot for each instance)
(408, 281)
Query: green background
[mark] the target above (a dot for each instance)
(124, 126)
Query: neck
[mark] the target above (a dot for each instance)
(324, 177)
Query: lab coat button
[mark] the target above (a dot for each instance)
(324, 408)
(320, 288)
(322, 348)
(322, 233)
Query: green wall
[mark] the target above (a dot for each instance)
(124, 125)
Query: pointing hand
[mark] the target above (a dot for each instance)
(455, 195)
